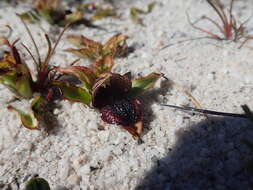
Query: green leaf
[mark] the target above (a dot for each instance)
(20, 86)
(134, 13)
(28, 119)
(47, 14)
(143, 84)
(86, 53)
(30, 16)
(103, 64)
(14, 73)
(73, 93)
(81, 41)
(115, 46)
(38, 107)
(102, 13)
(37, 184)
(23, 87)
(84, 74)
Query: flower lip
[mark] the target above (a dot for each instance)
(110, 87)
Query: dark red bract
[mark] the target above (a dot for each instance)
(122, 112)
(110, 97)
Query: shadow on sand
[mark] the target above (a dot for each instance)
(205, 156)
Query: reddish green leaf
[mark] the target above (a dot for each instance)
(73, 93)
(15, 76)
(104, 64)
(84, 74)
(102, 13)
(86, 53)
(143, 84)
(81, 41)
(28, 119)
(115, 46)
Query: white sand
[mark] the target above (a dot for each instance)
(181, 151)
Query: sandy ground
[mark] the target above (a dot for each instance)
(180, 150)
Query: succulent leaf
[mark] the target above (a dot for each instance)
(38, 106)
(28, 119)
(81, 41)
(15, 76)
(134, 13)
(115, 46)
(143, 84)
(23, 86)
(73, 93)
(30, 16)
(37, 184)
(102, 13)
(104, 64)
(84, 74)
(86, 53)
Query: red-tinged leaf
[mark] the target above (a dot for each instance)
(143, 84)
(28, 119)
(103, 13)
(47, 4)
(7, 64)
(73, 93)
(103, 64)
(84, 74)
(81, 41)
(16, 77)
(115, 46)
(86, 53)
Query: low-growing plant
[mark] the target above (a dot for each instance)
(56, 14)
(95, 51)
(53, 12)
(230, 29)
(16, 76)
(98, 11)
(115, 96)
